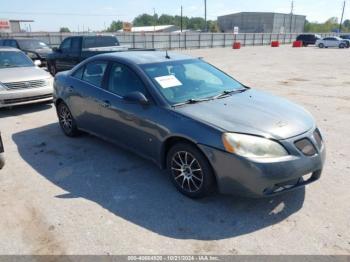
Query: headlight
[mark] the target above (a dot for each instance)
(49, 81)
(2, 87)
(252, 146)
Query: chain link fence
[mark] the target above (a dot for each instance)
(189, 40)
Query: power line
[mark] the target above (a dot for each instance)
(59, 14)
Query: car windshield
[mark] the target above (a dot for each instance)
(14, 59)
(190, 80)
(28, 44)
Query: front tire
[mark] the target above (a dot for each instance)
(321, 45)
(342, 46)
(66, 120)
(190, 171)
(51, 66)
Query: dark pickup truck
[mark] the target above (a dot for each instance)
(75, 49)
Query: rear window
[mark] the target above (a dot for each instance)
(104, 41)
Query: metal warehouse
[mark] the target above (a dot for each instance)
(257, 22)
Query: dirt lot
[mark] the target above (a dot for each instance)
(84, 196)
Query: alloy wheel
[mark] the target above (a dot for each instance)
(187, 171)
(65, 118)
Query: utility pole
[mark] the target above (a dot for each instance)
(155, 20)
(342, 17)
(291, 17)
(205, 16)
(181, 22)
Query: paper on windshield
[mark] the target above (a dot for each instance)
(168, 81)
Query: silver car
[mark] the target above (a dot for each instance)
(21, 80)
(333, 41)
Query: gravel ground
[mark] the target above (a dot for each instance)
(84, 196)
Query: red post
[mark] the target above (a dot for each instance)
(236, 45)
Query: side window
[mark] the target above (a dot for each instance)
(123, 81)
(66, 45)
(11, 43)
(75, 44)
(79, 73)
(94, 73)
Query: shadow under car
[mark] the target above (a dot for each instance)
(136, 190)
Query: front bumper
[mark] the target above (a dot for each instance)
(254, 178)
(25, 96)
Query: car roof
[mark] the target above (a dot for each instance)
(8, 49)
(146, 57)
(21, 38)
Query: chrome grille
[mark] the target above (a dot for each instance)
(25, 84)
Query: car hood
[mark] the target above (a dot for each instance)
(252, 112)
(19, 74)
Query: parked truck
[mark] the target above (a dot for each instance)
(75, 49)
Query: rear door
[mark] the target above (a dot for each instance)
(332, 42)
(85, 95)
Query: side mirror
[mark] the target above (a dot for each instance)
(37, 62)
(136, 97)
(57, 49)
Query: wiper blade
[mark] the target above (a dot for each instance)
(228, 92)
(192, 101)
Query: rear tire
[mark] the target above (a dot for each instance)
(190, 171)
(66, 120)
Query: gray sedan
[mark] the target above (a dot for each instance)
(205, 128)
(21, 81)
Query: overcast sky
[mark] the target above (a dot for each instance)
(96, 14)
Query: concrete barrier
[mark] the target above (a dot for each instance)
(298, 44)
(275, 44)
(236, 45)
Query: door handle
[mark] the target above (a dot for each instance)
(106, 104)
(71, 89)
